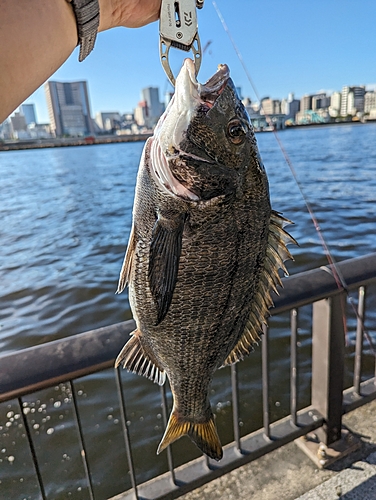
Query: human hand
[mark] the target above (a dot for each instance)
(128, 13)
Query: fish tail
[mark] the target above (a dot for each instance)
(203, 434)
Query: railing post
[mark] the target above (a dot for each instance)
(328, 348)
(359, 339)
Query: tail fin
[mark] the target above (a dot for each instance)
(203, 434)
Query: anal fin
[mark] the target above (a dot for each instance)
(203, 434)
(135, 358)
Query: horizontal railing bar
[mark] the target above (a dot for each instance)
(45, 365)
(352, 400)
(195, 473)
(310, 286)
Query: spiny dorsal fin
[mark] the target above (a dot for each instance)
(125, 273)
(136, 359)
(203, 434)
(276, 254)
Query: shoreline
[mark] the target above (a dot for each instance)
(71, 141)
(115, 139)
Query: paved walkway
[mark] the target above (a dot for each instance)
(288, 474)
(358, 482)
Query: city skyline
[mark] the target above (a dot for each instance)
(321, 93)
(287, 47)
(70, 112)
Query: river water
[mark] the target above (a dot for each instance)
(65, 218)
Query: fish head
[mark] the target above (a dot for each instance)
(204, 141)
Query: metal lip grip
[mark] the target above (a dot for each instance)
(178, 28)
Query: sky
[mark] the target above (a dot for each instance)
(287, 46)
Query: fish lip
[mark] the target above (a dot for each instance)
(202, 93)
(212, 89)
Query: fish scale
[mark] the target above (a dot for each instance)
(204, 251)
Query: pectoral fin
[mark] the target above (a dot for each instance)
(165, 249)
(136, 358)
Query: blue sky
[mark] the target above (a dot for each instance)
(295, 46)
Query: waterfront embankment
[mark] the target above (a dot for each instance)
(71, 141)
(14, 145)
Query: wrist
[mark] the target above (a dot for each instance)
(128, 13)
(110, 14)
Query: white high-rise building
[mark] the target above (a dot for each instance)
(344, 100)
(352, 100)
(335, 104)
(369, 101)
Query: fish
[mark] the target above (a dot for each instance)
(204, 251)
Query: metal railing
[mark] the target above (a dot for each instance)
(44, 366)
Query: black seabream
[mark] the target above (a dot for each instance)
(204, 250)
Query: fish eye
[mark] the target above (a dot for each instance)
(236, 131)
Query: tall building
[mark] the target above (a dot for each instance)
(344, 99)
(335, 104)
(335, 100)
(359, 93)
(369, 101)
(150, 96)
(141, 114)
(6, 130)
(352, 100)
(69, 108)
(320, 101)
(28, 110)
(18, 123)
(306, 102)
(292, 106)
(270, 106)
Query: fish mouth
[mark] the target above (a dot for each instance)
(190, 95)
(212, 89)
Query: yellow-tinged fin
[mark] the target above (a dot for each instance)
(276, 254)
(125, 273)
(203, 434)
(137, 359)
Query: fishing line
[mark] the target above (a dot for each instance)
(334, 269)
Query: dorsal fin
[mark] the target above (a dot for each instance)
(276, 254)
(137, 359)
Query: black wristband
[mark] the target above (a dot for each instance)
(87, 18)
